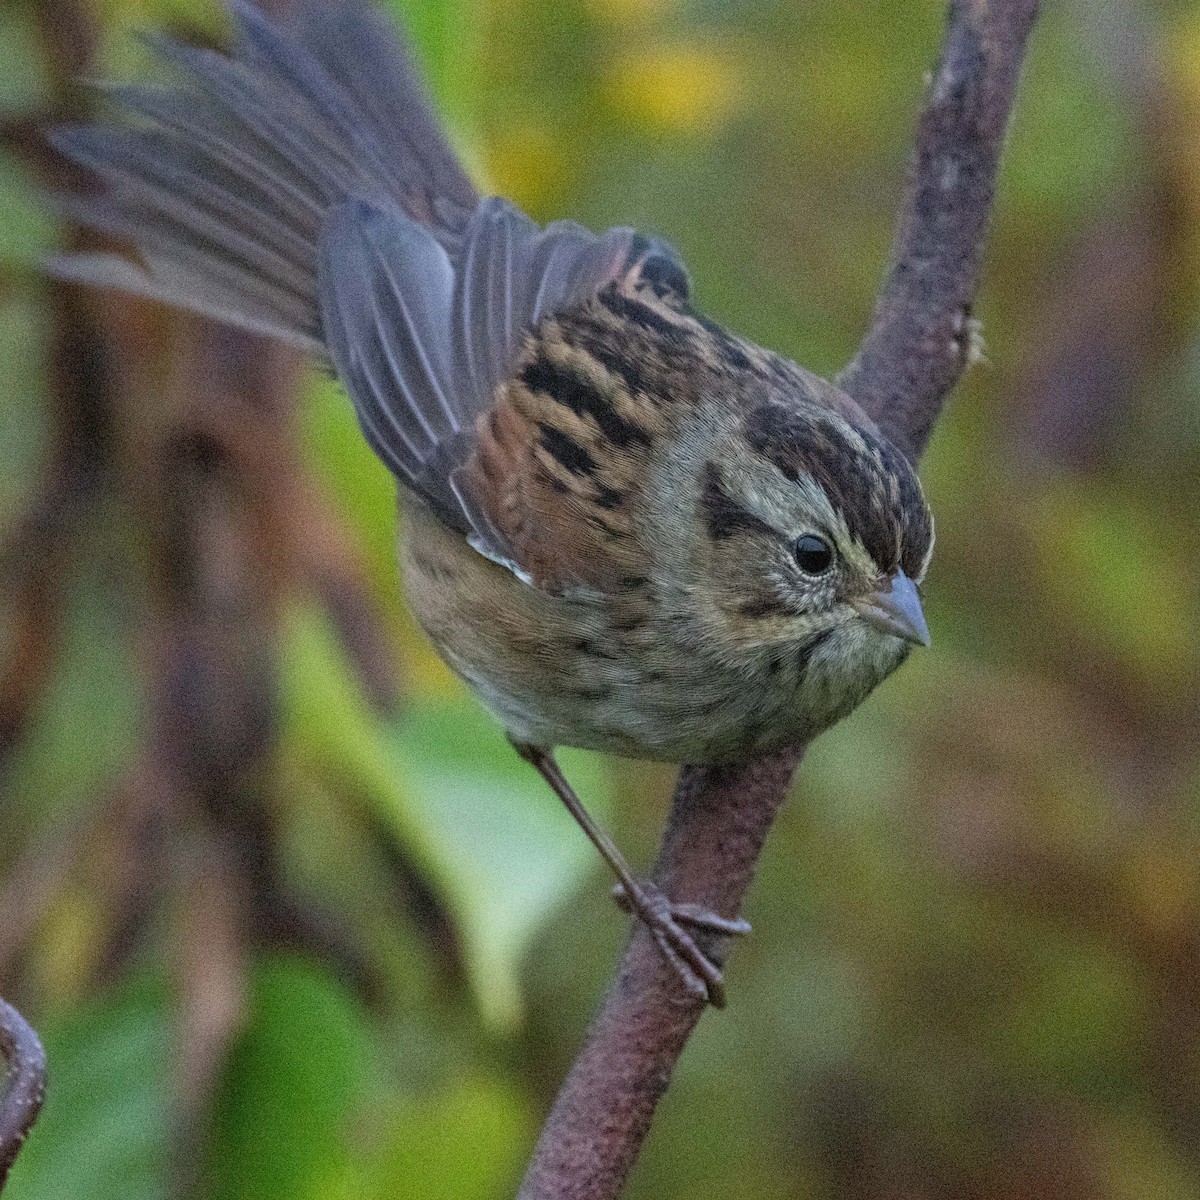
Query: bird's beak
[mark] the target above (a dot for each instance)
(896, 609)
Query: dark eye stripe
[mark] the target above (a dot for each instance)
(758, 607)
(723, 516)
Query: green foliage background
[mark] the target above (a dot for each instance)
(977, 926)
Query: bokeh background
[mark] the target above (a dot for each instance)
(294, 921)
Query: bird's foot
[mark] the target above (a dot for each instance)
(669, 924)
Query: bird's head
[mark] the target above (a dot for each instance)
(816, 535)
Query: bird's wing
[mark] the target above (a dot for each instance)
(425, 328)
(564, 459)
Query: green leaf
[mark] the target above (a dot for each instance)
(29, 230)
(467, 1143)
(507, 852)
(305, 1114)
(119, 53)
(1076, 1021)
(298, 1074)
(1114, 565)
(104, 1133)
(1072, 138)
(1141, 1160)
(493, 841)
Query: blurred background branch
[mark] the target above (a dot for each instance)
(922, 336)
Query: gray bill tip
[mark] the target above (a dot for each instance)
(896, 609)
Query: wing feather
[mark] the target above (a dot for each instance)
(427, 329)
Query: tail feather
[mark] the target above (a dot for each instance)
(224, 183)
(208, 200)
(217, 140)
(354, 44)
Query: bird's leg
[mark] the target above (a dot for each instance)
(666, 920)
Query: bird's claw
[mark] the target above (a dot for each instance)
(668, 922)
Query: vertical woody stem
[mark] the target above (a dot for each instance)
(914, 352)
(605, 1107)
(920, 338)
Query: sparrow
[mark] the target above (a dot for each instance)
(626, 529)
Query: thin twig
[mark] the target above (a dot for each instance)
(26, 1060)
(914, 352)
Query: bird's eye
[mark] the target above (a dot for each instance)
(814, 555)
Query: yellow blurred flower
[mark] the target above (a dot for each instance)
(683, 88)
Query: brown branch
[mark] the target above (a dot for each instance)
(920, 338)
(719, 821)
(914, 352)
(22, 1100)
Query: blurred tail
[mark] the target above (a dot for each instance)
(223, 181)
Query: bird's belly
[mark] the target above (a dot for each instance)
(679, 715)
(580, 671)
